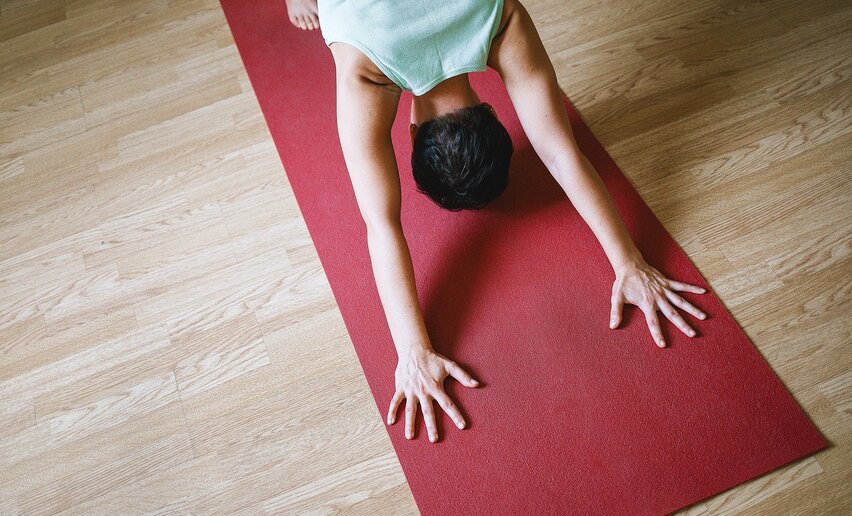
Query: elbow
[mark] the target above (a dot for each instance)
(381, 223)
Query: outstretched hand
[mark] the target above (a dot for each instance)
(420, 377)
(640, 284)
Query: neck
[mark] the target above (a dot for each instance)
(449, 95)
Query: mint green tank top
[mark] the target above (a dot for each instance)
(415, 43)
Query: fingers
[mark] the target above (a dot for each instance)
(615, 312)
(685, 287)
(460, 374)
(429, 418)
(653, 324)
(684, 305)
(424, 391)
(427, 407)
(672, 315)
(394, 406)
(449, 407)
(410, 414)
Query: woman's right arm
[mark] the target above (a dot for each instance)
(365, 115)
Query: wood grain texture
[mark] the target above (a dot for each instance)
(169, 342)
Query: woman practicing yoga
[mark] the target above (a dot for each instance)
(460, 156)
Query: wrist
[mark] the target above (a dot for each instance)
(630, 259)
(417, 347)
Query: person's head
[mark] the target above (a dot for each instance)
(460, 159)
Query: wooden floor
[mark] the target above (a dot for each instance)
(170, 343)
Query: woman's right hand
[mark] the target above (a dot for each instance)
(420, 378)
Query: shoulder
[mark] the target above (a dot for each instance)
(517, 44)
(351, 62)
(509, 7)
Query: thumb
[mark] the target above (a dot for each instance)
(460, 374)
(615, 312)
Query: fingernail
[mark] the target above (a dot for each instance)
(661, 344)
(407, 435)
(432, 438)
(702, 315)
(474, 382)
(460, 424)
(692, 333)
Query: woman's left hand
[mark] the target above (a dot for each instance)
(639, 284)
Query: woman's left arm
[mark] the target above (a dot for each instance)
(519, 56)
(636, 282)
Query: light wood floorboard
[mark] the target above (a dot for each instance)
(169, 342)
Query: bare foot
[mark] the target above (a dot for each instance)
(303, 13)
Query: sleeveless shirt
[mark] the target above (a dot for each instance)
(415, 43)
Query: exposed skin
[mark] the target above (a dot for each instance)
(303, 14)
(367, 103)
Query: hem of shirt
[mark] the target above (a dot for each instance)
(447, 75)
(372, 57)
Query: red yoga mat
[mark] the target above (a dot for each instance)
(571, 416)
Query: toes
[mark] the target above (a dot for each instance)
(309, 21)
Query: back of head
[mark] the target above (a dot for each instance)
(461, 159)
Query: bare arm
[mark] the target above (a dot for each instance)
(365, 115)
(520, 58)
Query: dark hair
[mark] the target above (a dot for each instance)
(460, 159)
